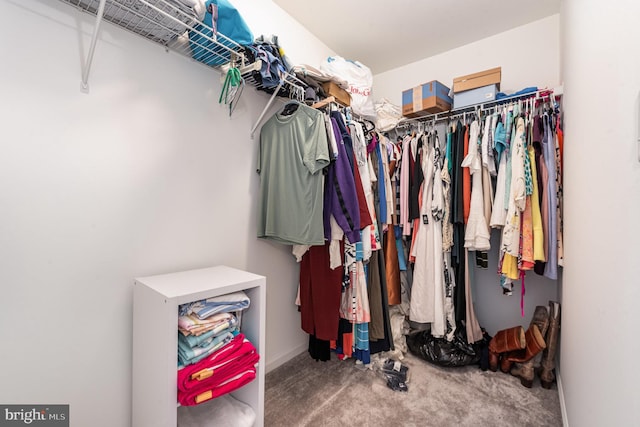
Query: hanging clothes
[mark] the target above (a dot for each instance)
(403, 218)
(548, 145)
(340, 197)
(477, 237)
(320, 294)
(427, 302)
(293, 151)
(457, 213)
(517, 197)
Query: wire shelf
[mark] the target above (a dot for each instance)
(179, 28)
(170, 23)
(177, 25)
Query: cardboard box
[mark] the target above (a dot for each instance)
(476, 80)
(341, 95)
(475, 96)
(428, 98)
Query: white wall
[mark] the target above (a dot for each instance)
(145, 175)
(529, 56)
(601, 315)
(522, 66)
(266, 18)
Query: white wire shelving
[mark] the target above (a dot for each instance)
(165, 22)
(177, 25)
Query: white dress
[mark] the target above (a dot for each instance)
(427, 292)
(517, 196)
(476, 237)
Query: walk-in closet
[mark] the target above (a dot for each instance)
(283, 213)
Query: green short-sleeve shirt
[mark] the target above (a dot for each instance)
(293, 151)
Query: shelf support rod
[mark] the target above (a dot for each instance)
(92, 48)
(266, 107)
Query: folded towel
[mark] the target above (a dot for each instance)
(190, 322)
(191, 376)
(218, 371)
(189, 356)
(197, 396)
(203, 339)
(223, 304)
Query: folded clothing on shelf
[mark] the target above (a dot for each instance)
(220, 17)
(191, 325)
(189, 356)
(203, 339)
(220, 365)
(197, 396)
(203, 309)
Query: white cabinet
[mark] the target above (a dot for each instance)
(155, 340)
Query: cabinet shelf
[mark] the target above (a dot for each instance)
(155, 342)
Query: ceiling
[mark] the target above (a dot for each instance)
(387, 34)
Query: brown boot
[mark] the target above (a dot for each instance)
(505, 340)
(525, 371)
(535, 344)
(547, 377)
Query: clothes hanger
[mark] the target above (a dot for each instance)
(324, 102)
(232, 89)
(367, 123)
(292, 105)
(294, 101)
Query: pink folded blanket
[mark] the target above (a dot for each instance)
(222, 364)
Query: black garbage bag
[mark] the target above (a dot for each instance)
(441, 352)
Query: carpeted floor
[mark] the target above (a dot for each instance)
(303, 392)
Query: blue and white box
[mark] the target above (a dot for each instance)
(475, 96)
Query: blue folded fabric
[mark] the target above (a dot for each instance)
(236, 301)
(221, 16)
(189, 356)
(193, 341)
(526, 90)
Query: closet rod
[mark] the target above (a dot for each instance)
(84, 85)
(485, 106)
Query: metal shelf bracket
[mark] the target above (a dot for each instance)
(84, 85)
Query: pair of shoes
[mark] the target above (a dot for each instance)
(505, 341)
(515, 345)
(396, 374)
(524, 370)
(534, 344)
(547, 377)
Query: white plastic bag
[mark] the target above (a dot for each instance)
(388, 115)
(360, 81)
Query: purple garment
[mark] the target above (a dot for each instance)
(549, 150)
(340, 197)
(372, 144)
(346, 137)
